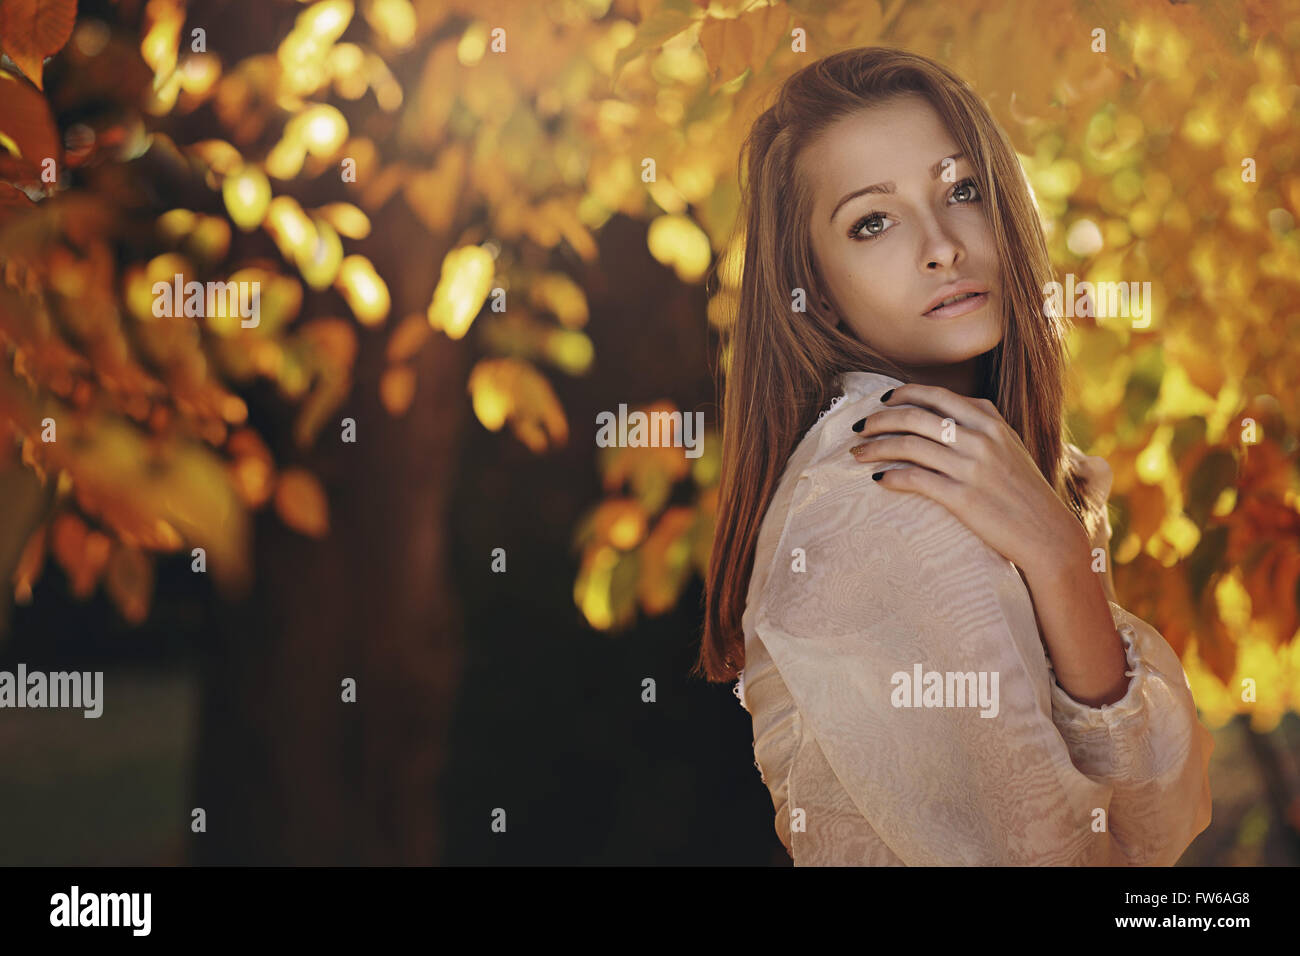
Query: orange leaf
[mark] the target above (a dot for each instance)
(769, 25)
(1146, 505)
(68, 534)
(81, 551)
(129, 582)
(728, 46)
(397, 388)
(665, 560)
(407, 338)
(31, 30)
(333, 341)
(29, 566)
(252, 471)
(301, 504)
(618, 522)
(25, 120)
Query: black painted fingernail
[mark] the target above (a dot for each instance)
(885, 397)
(858, 425)
(876, 476)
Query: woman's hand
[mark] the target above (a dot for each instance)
(962, 454)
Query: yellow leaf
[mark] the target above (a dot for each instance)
(511, 391)
(247, 194)
(678, 242)
(324, 22)
(199, 73)
(218, 155)
(162, 36)
(365, 292)
(651, 34)
(286, 158)
(319, 264)
(467, 274)
(562, 297)
(321, 130)
(290, 227)
(346, 219)
(393, 20)
(434, 193)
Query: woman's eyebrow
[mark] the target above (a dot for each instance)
(889, 187)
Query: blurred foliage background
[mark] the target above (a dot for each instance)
(476, 225)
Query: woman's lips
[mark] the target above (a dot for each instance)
(968, 304)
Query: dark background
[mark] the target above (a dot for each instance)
(546, 720)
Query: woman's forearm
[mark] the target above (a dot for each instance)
(1075, 621)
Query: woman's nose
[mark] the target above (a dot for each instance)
(941, 250)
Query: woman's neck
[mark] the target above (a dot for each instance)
(960, 377)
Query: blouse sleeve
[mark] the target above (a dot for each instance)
(1121, 743)
(912, 652)
(1110, 742)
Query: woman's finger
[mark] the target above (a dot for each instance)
(967, 442)
(917, 421)
(969, 413)
(937, 487)
(915, 449)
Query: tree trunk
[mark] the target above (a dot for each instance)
(287, 772)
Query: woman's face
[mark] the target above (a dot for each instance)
(888, 254)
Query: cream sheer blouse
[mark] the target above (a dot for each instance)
(854, 583)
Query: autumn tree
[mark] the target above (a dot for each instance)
(395, 175)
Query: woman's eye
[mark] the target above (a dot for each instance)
(868, 227)
(968, 189)
(874, 224)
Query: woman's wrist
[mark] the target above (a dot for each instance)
(1075, 621)
(1061, 556)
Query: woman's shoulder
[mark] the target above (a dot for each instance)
(1095, 469)
(828, 497)
(857, 394)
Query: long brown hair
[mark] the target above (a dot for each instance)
(780, 364)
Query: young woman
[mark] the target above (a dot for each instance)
(909, 561)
